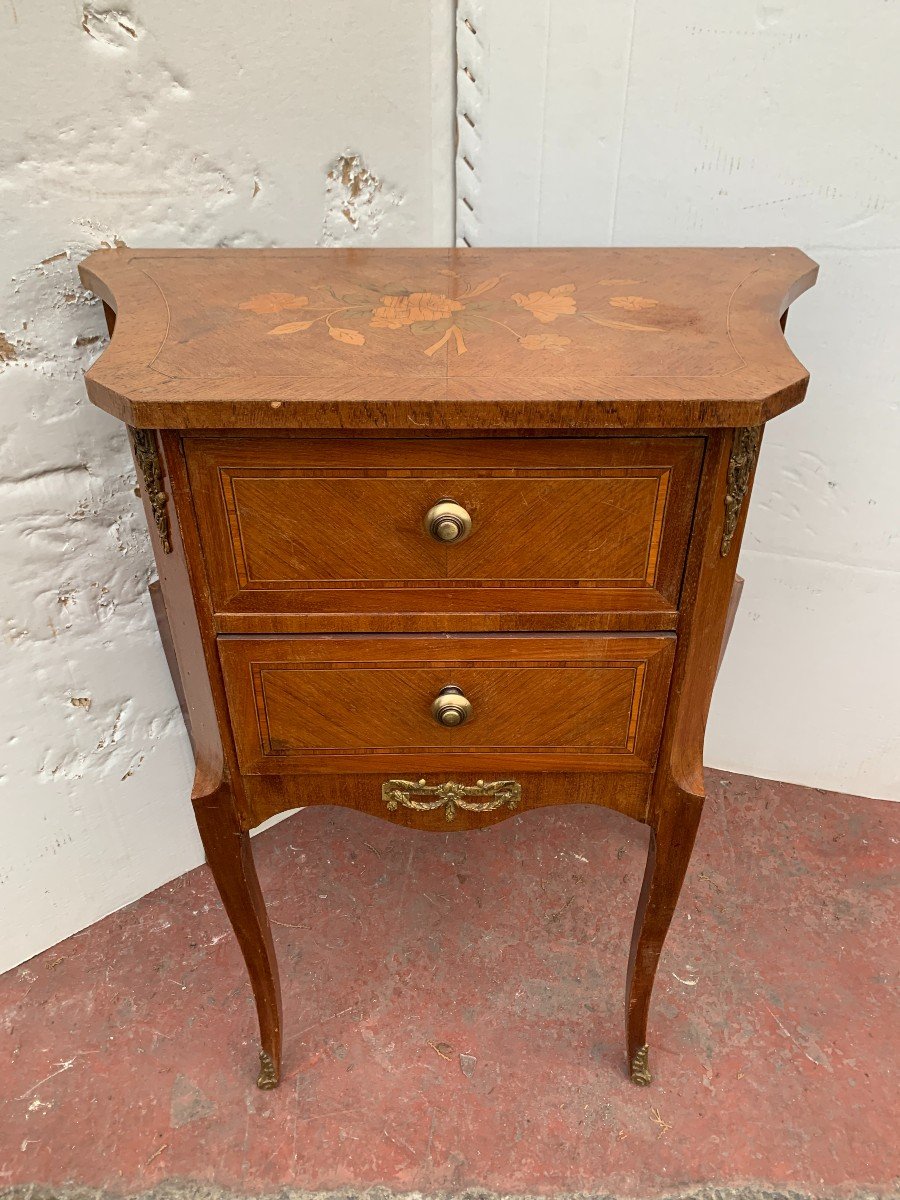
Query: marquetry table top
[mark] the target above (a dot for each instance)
(413, 339)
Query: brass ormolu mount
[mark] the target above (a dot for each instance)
(146, 455)
(401, 793)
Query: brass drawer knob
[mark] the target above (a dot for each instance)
(448, 521)
(450, 707)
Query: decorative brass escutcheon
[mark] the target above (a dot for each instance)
(450, 707)
(448, 521)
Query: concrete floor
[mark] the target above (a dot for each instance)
(453, 1009)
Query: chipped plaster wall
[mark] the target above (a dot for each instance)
(159, 124)
(632, 123)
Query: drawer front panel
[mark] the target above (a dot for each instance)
(283, 521)
(365, 704)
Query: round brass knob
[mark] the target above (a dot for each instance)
(450, 707)
(448, 521)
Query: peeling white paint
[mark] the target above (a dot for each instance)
(111, 27)
(356, 203)
(154, 124)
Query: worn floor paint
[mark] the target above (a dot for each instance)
(453, 1007)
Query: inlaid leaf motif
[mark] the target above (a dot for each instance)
(291, 327)
(629, 325)
(453, 332)
(394, 306)
(485, 286)
(351, 337)
(632, 303)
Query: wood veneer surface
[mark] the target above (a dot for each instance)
(461, 338)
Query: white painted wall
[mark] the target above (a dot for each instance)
(161, 124)
(626, 122)
(731, 122)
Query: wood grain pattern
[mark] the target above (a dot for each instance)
(230, 858)
(482, 610)
(554, 339)
(734, 601)
(293, 524)
(540, 703)
(165, 636)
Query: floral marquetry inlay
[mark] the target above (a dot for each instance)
(547, 306)
(448, 338)
(439, 319)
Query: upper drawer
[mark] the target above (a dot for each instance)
(317, 525)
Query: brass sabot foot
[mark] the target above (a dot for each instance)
(640, 1069)
(268, 1076)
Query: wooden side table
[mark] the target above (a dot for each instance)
(446, 535)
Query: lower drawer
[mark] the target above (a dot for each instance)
(380, 704)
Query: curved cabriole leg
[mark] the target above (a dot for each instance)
(230, 859)
(672, 833)
(677, 797)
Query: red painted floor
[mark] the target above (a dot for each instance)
(454, 1014)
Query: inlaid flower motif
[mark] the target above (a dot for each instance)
(394, 312)
(448, 321)
(632, 303)
(547, 306)
(273, 302)
(544, 341)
